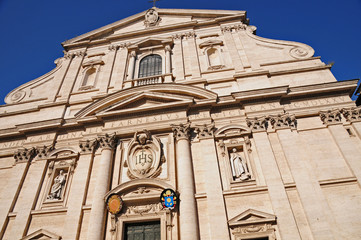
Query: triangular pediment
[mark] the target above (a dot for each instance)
(148, 98)
(146, 101)
(250, 217)
(42, 234)
(150, 42)
(167, 18)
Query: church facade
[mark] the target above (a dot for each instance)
(181, 124)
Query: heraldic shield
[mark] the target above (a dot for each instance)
(168, 198)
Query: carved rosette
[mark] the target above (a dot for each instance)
(88, 146)
(43, 152)
(107, 141)
(352, 114)
(24, 155)
(331, 116)
(145, 156)
(181, 131)
(257, 124)
(205, 130)
(283, 121)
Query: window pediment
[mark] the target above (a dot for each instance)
(42, 234)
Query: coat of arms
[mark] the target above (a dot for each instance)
(144, 156)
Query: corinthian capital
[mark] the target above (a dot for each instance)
(107, 141)
(331, 116)
(283, 121)
(181, 131)
(44, 151)
(88, 146)
(257, 124)
(24, 154)
(352, 114)
(205, 130)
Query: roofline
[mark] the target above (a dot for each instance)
(163, 11)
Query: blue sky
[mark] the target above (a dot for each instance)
(31, 31)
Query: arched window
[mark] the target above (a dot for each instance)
(89, 78)
(150, 65)
(213, 57)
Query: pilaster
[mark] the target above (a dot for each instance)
(119, 73)
(178, 57)
(192, 50)
(232, 49)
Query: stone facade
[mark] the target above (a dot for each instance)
(255, 136)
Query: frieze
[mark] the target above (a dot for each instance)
(298, 104)
(143, 120)
(227, 113)
(72, 135)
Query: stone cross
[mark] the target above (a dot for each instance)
(154, 1)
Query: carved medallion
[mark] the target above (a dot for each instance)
(114, 204)
(144, 156)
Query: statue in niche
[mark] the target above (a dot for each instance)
(58, 185)
(239, 166)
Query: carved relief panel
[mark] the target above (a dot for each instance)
(145, 156)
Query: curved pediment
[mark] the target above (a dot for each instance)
(146, 98)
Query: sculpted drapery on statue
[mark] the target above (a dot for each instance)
(58, 185)
(239, 166)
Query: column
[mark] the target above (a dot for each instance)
(106, 70)
(188, 220)
(78, 193)
(232, 49)
(27, 198)
(319, 215)
(178, 57)
(215, 201)
(119, 71)
(168, 64)
(192, 51)
(97, 214)
(282, 208)
(13, 186)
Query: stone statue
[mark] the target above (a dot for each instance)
(239, 166)
(58, 185)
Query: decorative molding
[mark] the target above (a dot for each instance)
(205, 130)
(330, 116)
(25, 155)
(141, 209)
(211, 43)
(181, 131)
(107, 141)
(283, 121)
(352, 114)
(257, 123)
(236, 27)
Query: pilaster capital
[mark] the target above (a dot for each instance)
(133, 53)
(204, 131)
(352, 114)
(257, 124)
(330, 116)
(177, 36)
(24, 154)
(44, 151)
(113, 47)
(88, 146)
(167, 48)
(181, 131)
(283, 121)
(189, 35)
(107, 141)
